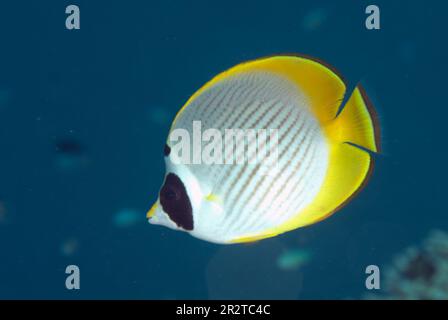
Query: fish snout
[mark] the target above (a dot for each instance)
(151, 213)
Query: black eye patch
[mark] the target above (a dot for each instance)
(166, 150)
(175, 202)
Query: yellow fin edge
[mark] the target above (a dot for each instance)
(309, 74)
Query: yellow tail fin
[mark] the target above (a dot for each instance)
(349, 166)
(351, 135)
(357, 123)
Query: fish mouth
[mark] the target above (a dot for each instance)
(156, 216)
(152, 211)
(161, 218)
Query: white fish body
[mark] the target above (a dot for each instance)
(240, 202)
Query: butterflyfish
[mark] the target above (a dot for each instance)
(323, 151)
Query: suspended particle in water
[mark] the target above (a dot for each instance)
(126, 218)
(69, 146)
(70, 154)
(293, 259)
(314, 19)
(69, 247)
(159, 116)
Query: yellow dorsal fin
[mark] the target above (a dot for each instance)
(314, 78)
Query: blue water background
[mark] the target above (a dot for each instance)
(115, 85)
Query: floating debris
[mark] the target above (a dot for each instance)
(70, 154)
(419, 273)
(293, 259)
(69, 146)
(69, 247)
(159, 116)
(314, 19)
(127, 218)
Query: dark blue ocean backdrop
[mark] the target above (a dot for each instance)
(84, 115)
